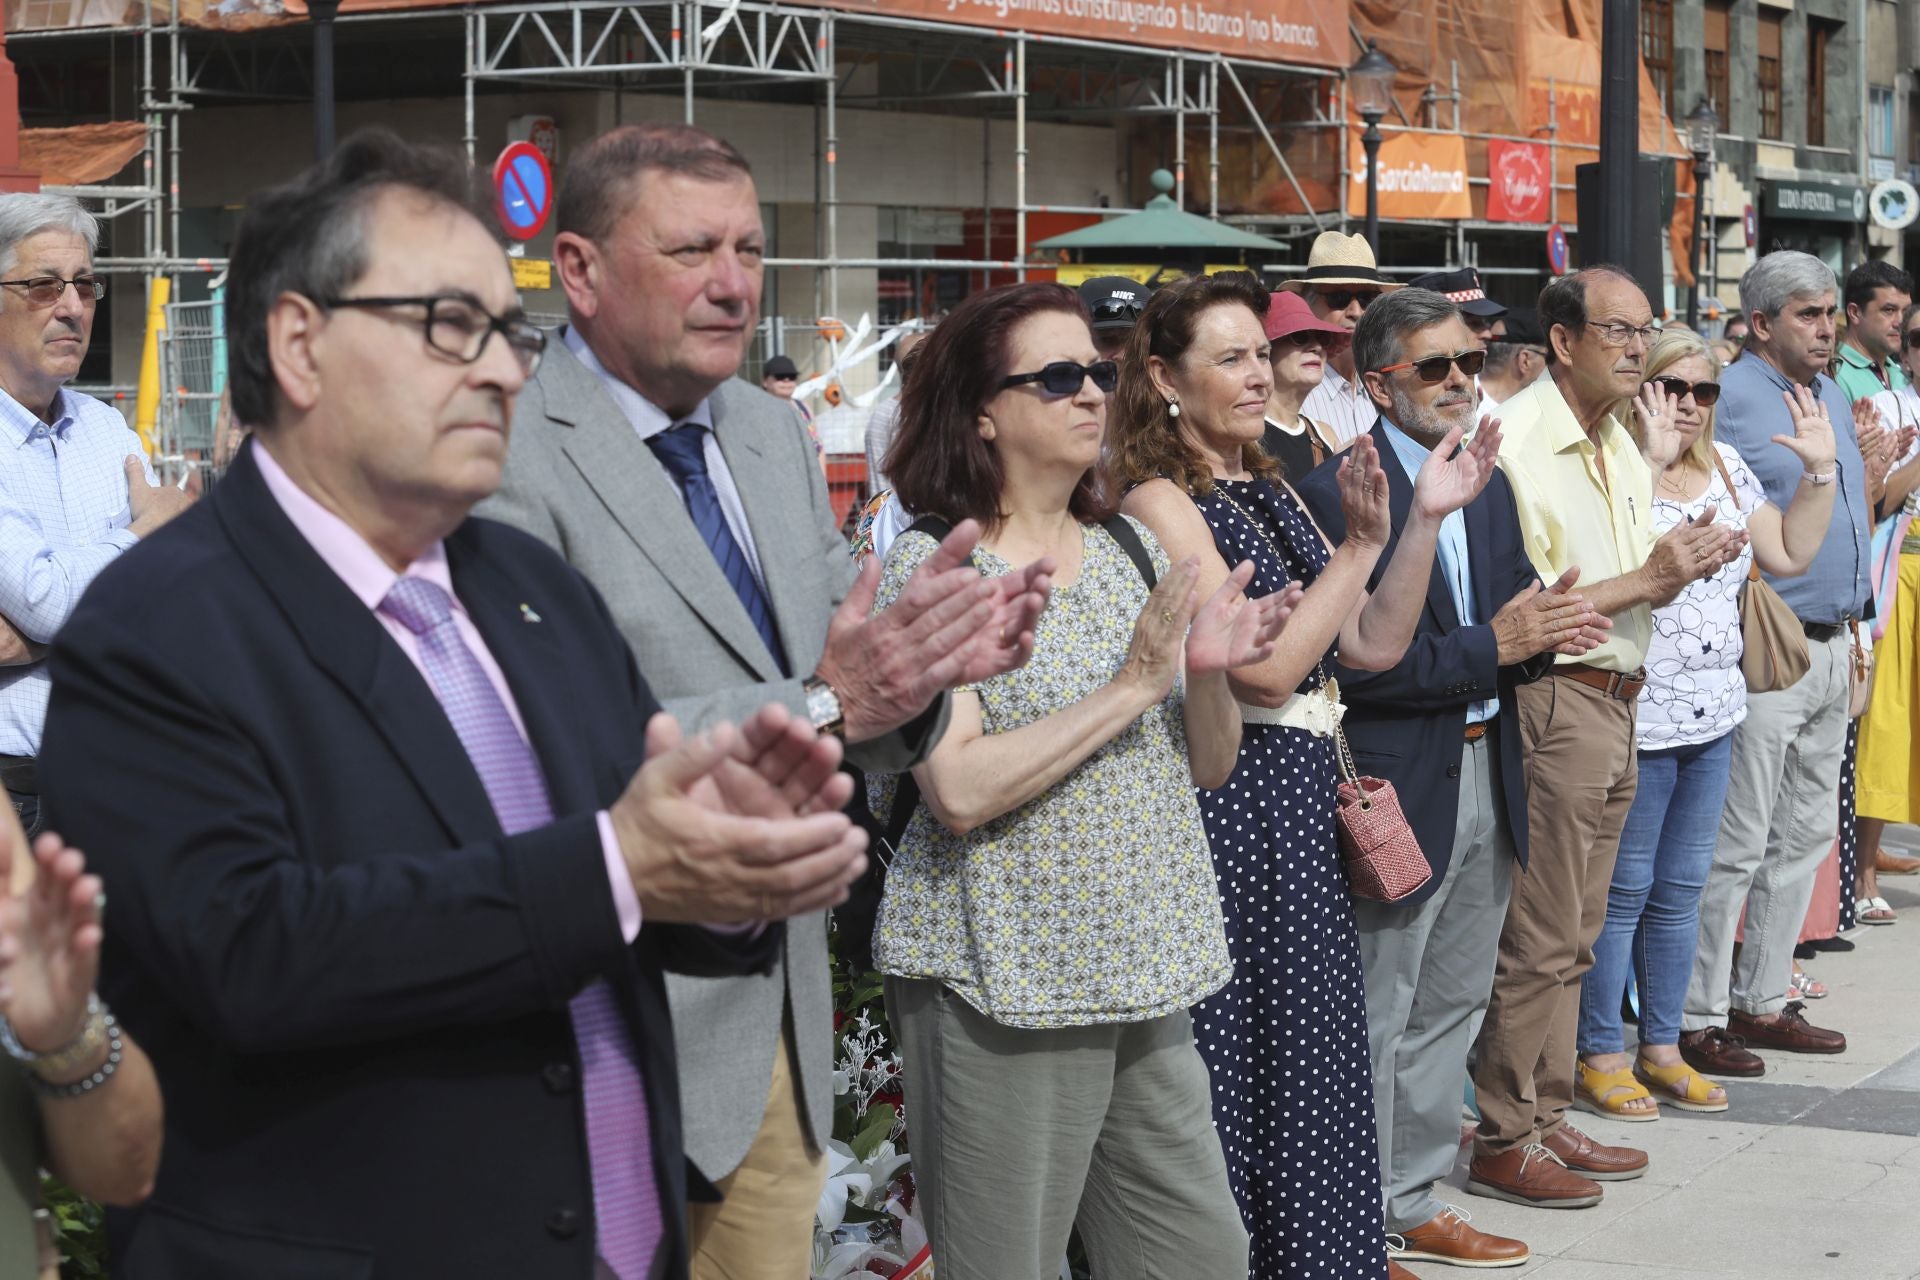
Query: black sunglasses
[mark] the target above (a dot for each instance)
(1108, 310)
(1304, 338)
(1064, 377)
(1434, 368)
(1341, 299)
(1703, 393)
(1913, 339)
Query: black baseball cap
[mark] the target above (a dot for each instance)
(779, 367)
(1115, 302)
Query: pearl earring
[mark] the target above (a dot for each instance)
(1173, 408)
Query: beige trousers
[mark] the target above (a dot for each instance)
(1581, 772)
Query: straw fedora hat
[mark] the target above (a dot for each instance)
(1338, 259)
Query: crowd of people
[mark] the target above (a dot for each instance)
(1285, 716)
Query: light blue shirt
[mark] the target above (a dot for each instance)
(1749, 415)
(1450, 550)
(649, 420)
(63, 518)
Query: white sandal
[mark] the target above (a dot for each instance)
(1863, 906)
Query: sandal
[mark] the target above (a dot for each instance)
(1804, 986)
(1875, 910)
(1600, 1092)
(1679, 1085)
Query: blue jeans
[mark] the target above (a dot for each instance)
(1653, 904)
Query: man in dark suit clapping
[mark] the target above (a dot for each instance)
(391, 903)
(1441, 726)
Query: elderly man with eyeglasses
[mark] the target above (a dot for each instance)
(1584, 492)
(75, 487)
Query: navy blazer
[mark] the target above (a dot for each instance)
(1408, 724)
(353, 985)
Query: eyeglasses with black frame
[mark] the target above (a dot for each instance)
(458, 326)
(1064, 377)
(1704, 393)
(44, 291)
(1107, 310)
(1434, 368)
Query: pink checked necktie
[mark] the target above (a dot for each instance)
(626, 1202)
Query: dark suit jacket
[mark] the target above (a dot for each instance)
(353, 985)
(1408, 724)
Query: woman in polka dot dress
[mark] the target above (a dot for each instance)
(1286, 1040)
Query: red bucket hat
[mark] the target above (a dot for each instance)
(1288, 313)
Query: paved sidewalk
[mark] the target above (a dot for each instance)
(1813, 1172)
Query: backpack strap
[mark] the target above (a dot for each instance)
(1121, 530)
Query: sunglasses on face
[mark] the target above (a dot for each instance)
(44, 291)
(784, 377)
(1341, 299)
(1913, 339)
(1064, 377)
(1304, 338)
(1703, 393)
(1434, 368)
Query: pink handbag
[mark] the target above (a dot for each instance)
(1377, 845)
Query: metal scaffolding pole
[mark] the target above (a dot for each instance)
(1020, 154)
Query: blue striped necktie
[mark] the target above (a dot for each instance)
(682, 451)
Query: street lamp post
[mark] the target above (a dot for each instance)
(1370, 81)
(1702, 125)
(322, 14)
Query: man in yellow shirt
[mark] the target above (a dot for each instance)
(1585, 495)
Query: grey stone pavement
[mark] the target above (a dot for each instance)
(1812, 1174)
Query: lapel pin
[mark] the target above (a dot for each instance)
(527, 614)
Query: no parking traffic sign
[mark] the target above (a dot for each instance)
(522, 190)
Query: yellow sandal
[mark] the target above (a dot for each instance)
(1606, 1093)
(1679, 1085)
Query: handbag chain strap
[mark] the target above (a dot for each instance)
(1328, 686)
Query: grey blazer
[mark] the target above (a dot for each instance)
(581, 479)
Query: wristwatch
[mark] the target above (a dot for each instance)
(823, 707)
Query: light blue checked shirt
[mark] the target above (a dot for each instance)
(63, 518)
(1450, 550)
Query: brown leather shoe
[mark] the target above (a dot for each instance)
(1894, 864)
(1447, 1238)
(1596, 1160)
(1790, 1031)
(1715, 1053)
(1531, 1175)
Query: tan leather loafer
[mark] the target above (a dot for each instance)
(1448, 1238)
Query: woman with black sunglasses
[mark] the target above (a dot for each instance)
(1049, 913)
(1287, 1040)
(1693, 699)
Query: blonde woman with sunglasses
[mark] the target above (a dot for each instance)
(1693, 699)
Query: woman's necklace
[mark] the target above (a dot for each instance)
(1677, 487)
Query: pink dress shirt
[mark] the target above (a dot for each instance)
(370, 578)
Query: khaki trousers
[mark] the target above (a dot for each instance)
(763, 1230)
(1581, 772)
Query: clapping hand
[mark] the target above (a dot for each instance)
(49, 937)
(1453, 476)
(741, 824)
(1539, 620)
(1363, 494)
(1659, 416)
(1812, 438)
(1231, 631)
(950, 626)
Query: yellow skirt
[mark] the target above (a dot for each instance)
(1888, 767)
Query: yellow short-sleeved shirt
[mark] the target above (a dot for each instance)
(1569, 515)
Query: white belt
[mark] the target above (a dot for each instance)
(1315, 712)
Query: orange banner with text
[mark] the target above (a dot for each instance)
(1422, 175)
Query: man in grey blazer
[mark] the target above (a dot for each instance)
(693, 502)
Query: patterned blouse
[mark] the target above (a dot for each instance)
(1094, 902)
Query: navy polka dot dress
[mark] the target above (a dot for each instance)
(1286, 1040)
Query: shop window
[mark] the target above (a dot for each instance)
(1880, 135)
(1820, 38)
(1772, 120)
(1656, 49)
(1718, 22)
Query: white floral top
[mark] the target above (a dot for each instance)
(1695, 692)
(1095, 902)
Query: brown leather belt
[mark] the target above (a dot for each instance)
(1614, 684)
(1476, 731)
